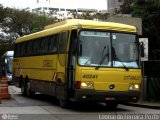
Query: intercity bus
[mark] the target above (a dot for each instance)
(80, 60)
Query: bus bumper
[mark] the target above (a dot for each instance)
(102, 96)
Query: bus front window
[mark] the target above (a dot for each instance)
(124, 50)
(94, 48)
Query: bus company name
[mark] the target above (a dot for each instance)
(91, 76)
(47, 63)
(131, 77)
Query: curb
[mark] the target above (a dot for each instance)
(145, 105)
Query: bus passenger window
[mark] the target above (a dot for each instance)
(29, 48)
(44, 45)
(23, 48)
(52, 44)
(17, 49)
(36, 46)
(63, 43)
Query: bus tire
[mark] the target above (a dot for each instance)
(23, 87)
(112, 105)
(64, 103)
(29, 92)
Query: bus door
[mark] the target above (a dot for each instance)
(72, 62)
(61, 89)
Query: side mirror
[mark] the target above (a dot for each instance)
(141, 44)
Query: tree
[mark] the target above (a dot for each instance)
(15, 23)
(3, 13)
(90, 15)
(40, 21)
(19, 21)
(101, 16)
(149, 11)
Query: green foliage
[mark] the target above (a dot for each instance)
(39, 22)
(90, 15)
(21, 22)
(2, 13)
(149, 11)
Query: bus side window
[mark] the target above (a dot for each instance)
(62, 47)
(36, 46)
(29, 47)
(62, 43)
(53, 43)
(44, 45)
(18, 52)
(23, 48)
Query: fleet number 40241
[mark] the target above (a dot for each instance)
(90, 76)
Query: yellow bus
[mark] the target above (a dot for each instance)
(80, 60)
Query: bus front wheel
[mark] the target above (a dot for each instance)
(29, 92)
(64, 103)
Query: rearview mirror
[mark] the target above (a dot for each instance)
(141, 49)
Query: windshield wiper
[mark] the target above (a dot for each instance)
(114, 57)
(103, 57)
(87, 61)
(124, 66)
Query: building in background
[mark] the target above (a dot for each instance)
(113, 4)
(63, 9)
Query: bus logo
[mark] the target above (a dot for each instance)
(112, 86)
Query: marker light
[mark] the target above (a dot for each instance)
(134, 87)
(131, 87)
(78, 84)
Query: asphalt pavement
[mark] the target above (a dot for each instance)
(43, 107)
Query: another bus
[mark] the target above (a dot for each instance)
(80, 60)
(7, 61)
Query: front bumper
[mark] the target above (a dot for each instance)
(103, 96)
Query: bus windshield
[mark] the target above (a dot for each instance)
(9, 64)
(9, 60)
(106, 49)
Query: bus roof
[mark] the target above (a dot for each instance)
(77, 23)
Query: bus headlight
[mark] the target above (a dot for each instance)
(83, 85)
(134, 87)
(88, 85)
